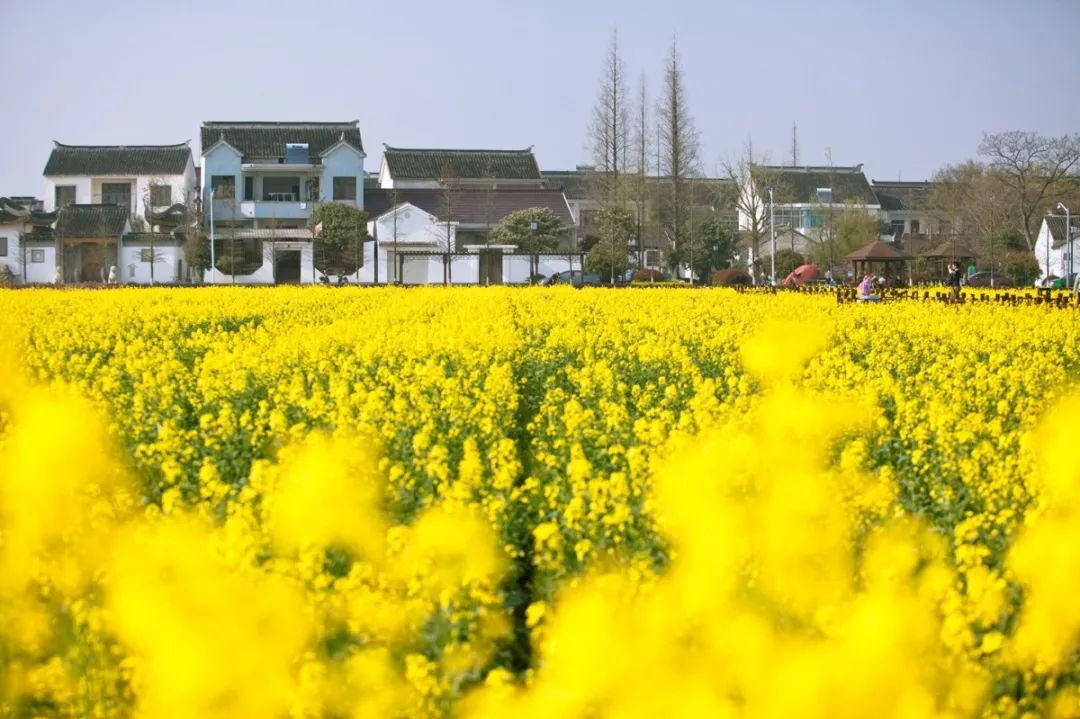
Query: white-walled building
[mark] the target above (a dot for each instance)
(1052, 247)
(27, 243)
(91, 241)
(132, 176)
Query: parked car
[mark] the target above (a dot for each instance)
(983, 279)
(579, 279)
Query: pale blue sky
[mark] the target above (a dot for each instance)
(903, 87)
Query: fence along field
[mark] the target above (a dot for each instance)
(535, 502)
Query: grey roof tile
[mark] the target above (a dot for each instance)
(262, 141)
(798, 184)
(432, 164)
(899, 196)
(118, 160)
(470, 207)
(92, 221)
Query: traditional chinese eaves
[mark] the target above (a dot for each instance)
(77, 160)
(406, 164)
(877, 251)
(799, 184)
(903, 196)
(265, 141)
(92, 221)
(469, 207)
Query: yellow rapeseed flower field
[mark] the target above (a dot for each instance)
(481, 503)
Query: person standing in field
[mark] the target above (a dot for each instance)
(954, 281)
(866, 289)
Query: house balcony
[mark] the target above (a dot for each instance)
(280, 206)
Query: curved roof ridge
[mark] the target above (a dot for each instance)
(170, 146)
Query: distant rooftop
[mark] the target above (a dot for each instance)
(117, 159)
(92, 221)
(433, 164)
(794, 184)
(898, 195)
(267, 140)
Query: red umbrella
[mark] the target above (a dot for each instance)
(801, 274)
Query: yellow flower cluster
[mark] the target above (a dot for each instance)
(496, 502)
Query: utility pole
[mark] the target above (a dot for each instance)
(772, 240)
(213, 263)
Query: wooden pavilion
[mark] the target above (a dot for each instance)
(878, 257)
(951, 250)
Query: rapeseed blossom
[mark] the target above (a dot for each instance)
(481, 502)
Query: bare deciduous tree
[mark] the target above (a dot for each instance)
(1034, 167)
(977, 197)
(609, 133)
(749, 174)
(642, 131)
(679, 146)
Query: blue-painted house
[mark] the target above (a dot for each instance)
(265, 179)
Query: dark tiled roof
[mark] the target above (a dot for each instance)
(573, 183)
(118, 160)
(953, 248)
(408, 164)
(718, 191)
(877, 251)
(92, 221)
(911, 196)
(1056, 224)
(266, 140)
(39, 234)
(22, 209)
(144, 238)
(799, 184)
(470, 207)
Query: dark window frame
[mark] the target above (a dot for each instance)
(342, 186)
(59, 190)
(159, 192)
(3, 247)
(218, 183)
(111, 197)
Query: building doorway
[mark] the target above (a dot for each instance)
(287, 267)
(491, 267)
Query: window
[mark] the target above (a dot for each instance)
(146, 255)
(652, 258)
(588, 218)
(224, 186)
(65, 195)
(160, 195)
(344, 188)
(37, 256)
(281, 189)
(896, 228)
(824, 194)
(131, 271)
(249, 188)
(116, 193)
(3, 247)
(915, 227)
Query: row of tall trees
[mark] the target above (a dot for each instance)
(646, 159)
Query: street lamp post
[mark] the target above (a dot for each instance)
(213, 264)
(772, 239)
(1068, 241)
